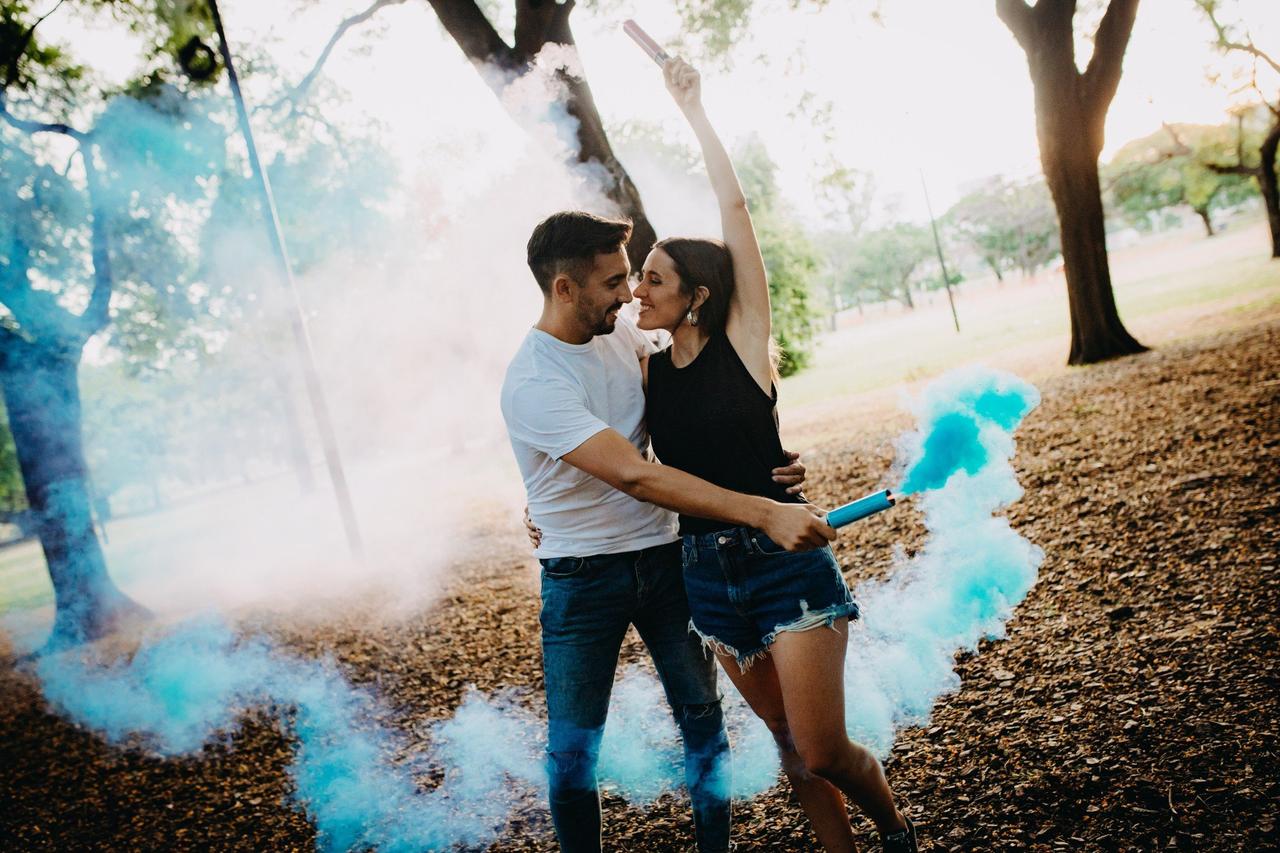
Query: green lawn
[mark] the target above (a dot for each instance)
(1163, 287)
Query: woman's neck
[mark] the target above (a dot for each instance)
(686, 342)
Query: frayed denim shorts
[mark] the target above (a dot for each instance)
(744, 589)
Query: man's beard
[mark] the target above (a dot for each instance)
(602, 325)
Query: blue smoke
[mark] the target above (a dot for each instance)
(182, 690)
(190, 686)
(961, 587)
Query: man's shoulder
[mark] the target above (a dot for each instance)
(532, 375)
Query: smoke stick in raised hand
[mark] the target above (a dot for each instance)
(647, 44)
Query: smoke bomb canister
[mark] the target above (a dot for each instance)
(861, 508)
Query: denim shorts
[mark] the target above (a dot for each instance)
(744, 589)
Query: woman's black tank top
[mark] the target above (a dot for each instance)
(711, 419)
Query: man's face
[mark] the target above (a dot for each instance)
(598, 300)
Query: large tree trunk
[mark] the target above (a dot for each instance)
(42, 397)
(1268, 183)
(539, 23)
(1071, 110)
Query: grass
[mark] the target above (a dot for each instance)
(1165, 287)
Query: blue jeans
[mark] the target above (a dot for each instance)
(744, 589)
(587, 605)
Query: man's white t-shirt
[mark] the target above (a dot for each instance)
(556, 396)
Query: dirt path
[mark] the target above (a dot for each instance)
(1132, 706)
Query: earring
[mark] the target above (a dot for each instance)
(691, 317)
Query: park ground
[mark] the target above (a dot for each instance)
(1131, 705)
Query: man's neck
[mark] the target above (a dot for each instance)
(561, 328)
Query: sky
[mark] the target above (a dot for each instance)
(935, 87)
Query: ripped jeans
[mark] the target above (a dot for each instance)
(744, 589)
(587, 605)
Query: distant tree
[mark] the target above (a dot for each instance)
(1230, 40)
(1167, 169)
(1071, 111)
(881, 264)
(845, 198)
(1010, 224)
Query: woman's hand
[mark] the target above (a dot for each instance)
(792, 474)
(532, 530)
(684, 83)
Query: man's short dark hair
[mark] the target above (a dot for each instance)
(568, 242)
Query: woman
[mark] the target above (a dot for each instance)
(778, 621)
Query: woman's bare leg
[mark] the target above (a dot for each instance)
(821, 801)
(810, 671)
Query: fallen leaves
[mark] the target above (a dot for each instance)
(1132, 705)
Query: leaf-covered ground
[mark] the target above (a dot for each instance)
(1133, 704)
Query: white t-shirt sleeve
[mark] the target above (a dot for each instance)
(550, 415)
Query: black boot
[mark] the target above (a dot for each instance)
(902, 841)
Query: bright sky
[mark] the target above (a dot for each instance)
(938, 86)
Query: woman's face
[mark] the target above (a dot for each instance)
(662, 305)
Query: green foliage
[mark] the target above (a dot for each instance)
(881, 265)
(789, 257)
(715, 27)
(1170, 168)
(1010, 224)
(12, 496)
(791, 261)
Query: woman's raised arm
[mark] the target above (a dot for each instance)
(749, 325)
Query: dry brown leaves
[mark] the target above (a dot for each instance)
(1132, 705)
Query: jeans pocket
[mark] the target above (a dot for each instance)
(762, 544)
(562, 567)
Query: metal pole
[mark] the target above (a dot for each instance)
(298, 321)
(946, 279)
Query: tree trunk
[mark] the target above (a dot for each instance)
(1071, 169)
(1071, 110)
(1203, 213)
(995, 268)
(539, 23)
(42, 397)
(1268, 183)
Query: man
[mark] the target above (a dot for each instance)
(573, 401)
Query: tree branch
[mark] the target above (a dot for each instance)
(1019, 18)
(471, 30)
(540, 22)
(299, 92)
(1180, 148)
(33, 127)
(96, 314)
(11, 73)
(1225, 42)
(1102, 76)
